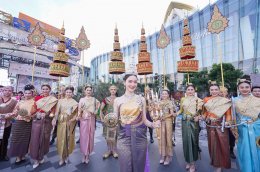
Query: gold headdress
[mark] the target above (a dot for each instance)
(223, 89)
(165, 88)
(130, 73)
(47, 85)
(147, 88)
(87, 85)
(189, 84)
(212, 82)
(113, 87)
(243, 80)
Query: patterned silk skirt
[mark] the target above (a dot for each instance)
(190, 139)
(132, 146)
(21, 133)
(218, 144)
(248, 147)
(40, 138)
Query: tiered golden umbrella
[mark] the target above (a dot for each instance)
(187, 64)
(144, 66)
(116, 66)
(60, 66)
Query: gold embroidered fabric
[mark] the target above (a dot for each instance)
(25, 108)
(218, 106)
(166, 106)
(191, 104)
(88, 105)
(66, 109)
(46, 103)
(130, 110)
(248, 106)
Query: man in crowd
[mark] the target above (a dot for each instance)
(7, 105)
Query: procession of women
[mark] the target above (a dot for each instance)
(29, 123)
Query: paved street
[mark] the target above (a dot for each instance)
(97, 164)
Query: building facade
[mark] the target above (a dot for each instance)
(239, 45)
(17, 55)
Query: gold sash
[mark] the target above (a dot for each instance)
(191, 105)
(130, 111)
(218, 106)
(248, 106)
(46, 103)
(166, 106)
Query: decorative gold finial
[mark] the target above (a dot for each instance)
(36, 38)
(82, 42)
(163, 41)
(218, 22)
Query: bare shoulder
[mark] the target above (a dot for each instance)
(81, 100)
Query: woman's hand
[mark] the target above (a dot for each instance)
(227, 123)
(53, 122)
(156, 124)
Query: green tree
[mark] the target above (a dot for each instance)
(230, 75)
(200, 80)
(101, 90)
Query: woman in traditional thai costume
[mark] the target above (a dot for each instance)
(41, 125)
(61, 95)
(87, 109)
(232, 139)
(167, 111)
(148, 94)
(132, 138)
(190, 106)
(21, 128)
(247, 109)
(65, 114)
(110, 133)
(218, 114)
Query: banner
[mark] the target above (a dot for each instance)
(24, 80)
(25, 69)
(21, 24)
(18, 36)
(46, 27)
